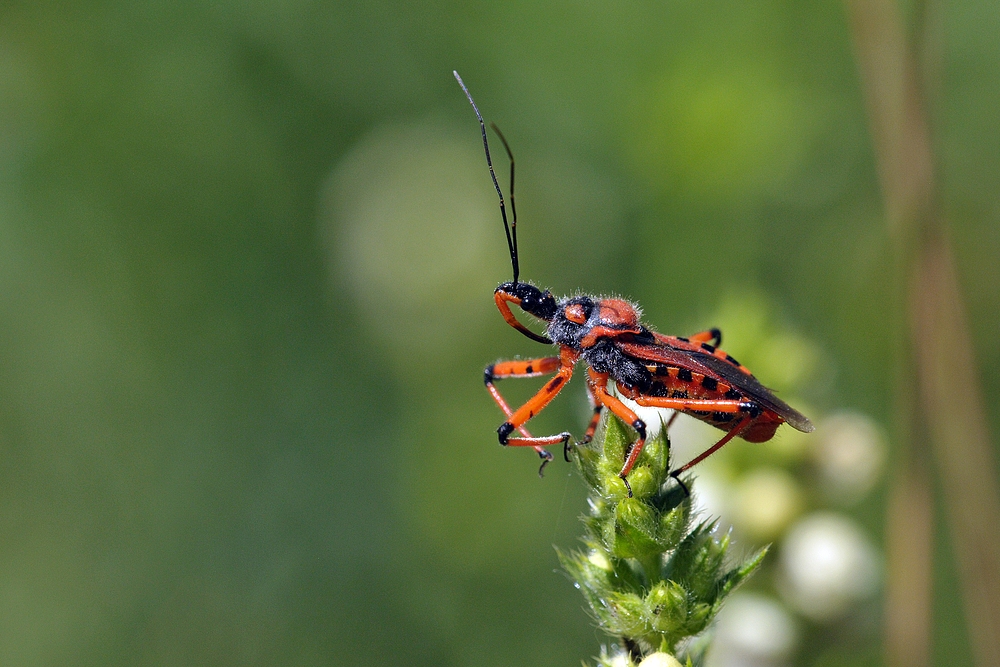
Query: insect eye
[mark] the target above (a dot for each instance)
(576, 313)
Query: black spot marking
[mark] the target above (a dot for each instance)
(686, 340)
(750, 407)
(679, 393)
(529, 369)
(733, 361)
(733, 395)
(723, 417)
(707, 347)
(658, 389)
(555, 383)
(709, 383)
(684, 375)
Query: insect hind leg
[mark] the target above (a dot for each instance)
(733, 432)
(712, 335)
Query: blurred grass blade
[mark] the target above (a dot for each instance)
(939, 399)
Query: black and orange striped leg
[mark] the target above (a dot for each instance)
(521, 368)
(563, 366)
(713, 335)
(599, 382)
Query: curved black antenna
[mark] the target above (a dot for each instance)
(511, 245)
(513, 207)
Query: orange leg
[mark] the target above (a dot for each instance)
(711, 450)
(599, 382)
(594, 420)
(712, 334)
(520, 368)
(592, 426)
(563, 366)
(696, 404)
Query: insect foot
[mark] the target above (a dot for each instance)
(546, 457)
(652, 574)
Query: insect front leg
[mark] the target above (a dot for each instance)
(563, 366)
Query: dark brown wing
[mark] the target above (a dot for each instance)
(707, 364)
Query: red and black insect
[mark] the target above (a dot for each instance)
(690, 375)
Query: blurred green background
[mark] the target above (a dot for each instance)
(247, 253)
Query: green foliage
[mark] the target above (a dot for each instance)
(651, 574)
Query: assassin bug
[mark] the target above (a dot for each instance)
(690, 375)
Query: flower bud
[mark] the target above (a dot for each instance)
(635, 530)
(643, 484)
(659, 659)
(666, 606)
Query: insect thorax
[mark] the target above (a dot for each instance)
(606, 357)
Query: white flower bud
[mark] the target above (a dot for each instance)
(828, 564)
(659, 659)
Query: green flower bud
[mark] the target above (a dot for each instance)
(597, 559)
(666, 607)
(616, 439)
(614, 486)
(628, 610)
(673, 524)
(636, 528)
(642, 481)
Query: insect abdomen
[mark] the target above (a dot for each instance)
(675, 382)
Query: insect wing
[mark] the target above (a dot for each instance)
(750, 386)
(664, 354)
(707, 364)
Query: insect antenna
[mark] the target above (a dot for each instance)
(511, 237)
(513, 207)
